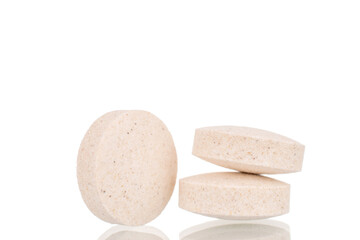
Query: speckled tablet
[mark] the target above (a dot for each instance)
(234, 195)
(248, 149)
(127, 167)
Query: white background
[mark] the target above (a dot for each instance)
(292, 67)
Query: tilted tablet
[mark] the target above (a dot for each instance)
(248, 149)
(127, 167)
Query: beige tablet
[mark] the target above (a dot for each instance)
(248, 149)
(234, 195)
(127, 167)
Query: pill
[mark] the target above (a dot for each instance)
(234, 195)
(248, 149)
(127, 167)
(230, 230)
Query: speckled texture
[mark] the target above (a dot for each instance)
(248, 149)
(127, 167)
(233, 195)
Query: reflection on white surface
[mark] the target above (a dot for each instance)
(133, 233)
(236, 230)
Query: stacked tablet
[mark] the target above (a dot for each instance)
(244, 194)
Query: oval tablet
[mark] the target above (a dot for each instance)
(234, 195)
(127, 167)
(248, 149)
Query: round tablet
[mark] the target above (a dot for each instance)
(248, 149)
(231, 230)
(234, 195)
(127, 167)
